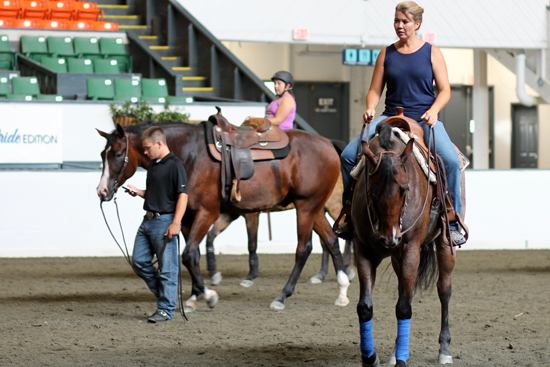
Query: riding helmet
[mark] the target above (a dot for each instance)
(285, 76)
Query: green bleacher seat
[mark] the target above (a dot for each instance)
(99, 88)
(113, 48)
(127, 90)
(20, 97)
(106, 66)
(61, 46)
(156, 91)
(25, 85)
(7, 56)
(4, 86)
(87, 47)
(83, 66)
(50, 97)
(57, 64)
(153, 89)
(34, 47)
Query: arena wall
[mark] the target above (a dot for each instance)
(57, 213)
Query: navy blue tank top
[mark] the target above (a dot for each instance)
(409, 81)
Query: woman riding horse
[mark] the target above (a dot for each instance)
(408, 68)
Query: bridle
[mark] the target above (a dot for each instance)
(123, 165)
(376, 228)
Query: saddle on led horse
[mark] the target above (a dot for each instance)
(238, 147)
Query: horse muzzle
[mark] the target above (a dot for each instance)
(390, 243)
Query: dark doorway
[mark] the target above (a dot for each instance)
(524, 136)
(456, 117)
(325, 106)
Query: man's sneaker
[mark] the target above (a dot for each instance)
(457, 237)
(159, 316)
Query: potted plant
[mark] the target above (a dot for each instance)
(168, 115)
(129, 113)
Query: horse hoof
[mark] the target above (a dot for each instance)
(247, 283)
(342, 301)
(444, 359)
(316, 279)
(392, 360)
(276, 305)
(189, 309)
(351, 274)
(212, 299)
(375, 364)
(216, 278)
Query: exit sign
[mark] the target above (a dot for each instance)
(300, 34)
(359, 56)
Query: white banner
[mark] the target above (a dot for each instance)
(31, 133)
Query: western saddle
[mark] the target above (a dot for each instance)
(238, 147)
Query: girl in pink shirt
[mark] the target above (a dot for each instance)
(282, 110)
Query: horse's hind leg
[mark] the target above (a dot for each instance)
(323, 229)
(446, 261)
(305, 226)
(252, 221)
(219, 226)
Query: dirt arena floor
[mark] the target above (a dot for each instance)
(92, 312)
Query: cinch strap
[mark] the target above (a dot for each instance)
(367, 343)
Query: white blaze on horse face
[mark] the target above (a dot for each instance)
(102, 188)
(395, 239)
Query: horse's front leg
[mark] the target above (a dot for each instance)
(446, 259)
(407, 270)
(191, 258)
(329, 239)
(366, 271)
(219, 226)
(305, 220)
(252, 222)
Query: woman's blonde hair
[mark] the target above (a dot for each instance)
(412, 10)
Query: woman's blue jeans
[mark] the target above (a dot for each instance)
(163, 282)
(445, 149)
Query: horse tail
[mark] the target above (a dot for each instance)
(427, 270)
(339, 145)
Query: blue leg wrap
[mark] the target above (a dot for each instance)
(402, 345)
(367, 343)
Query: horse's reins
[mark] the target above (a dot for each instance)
(126, 253)
(406, 198)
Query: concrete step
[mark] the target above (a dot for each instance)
(125, 19)
(195, 82)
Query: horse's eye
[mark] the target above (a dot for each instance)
(118, 154)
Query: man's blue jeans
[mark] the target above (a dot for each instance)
(163, 282)
(445, 149)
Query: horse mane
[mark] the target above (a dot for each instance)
(385, 171)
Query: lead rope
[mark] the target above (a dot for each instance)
(129, 258)
(127, 253)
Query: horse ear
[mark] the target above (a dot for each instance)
(102, 133)
(119, 131)
(369, 154)
(407, 151)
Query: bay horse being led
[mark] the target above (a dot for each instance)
(391, 216)
(305, 177)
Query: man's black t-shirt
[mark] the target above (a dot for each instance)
(166, 179)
